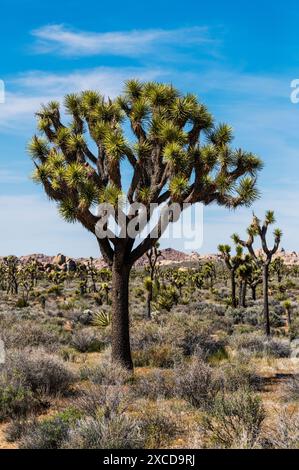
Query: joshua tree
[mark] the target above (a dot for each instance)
(232, 263)
(260, 229)
(171, 162)
(153, 256)
(209, 272)
(12, 266)
(105, 289)
(244, 273)
(278, 267)
(92, 272)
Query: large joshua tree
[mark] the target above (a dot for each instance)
(177, 155)
(260, 229)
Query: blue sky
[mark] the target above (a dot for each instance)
(239, 57)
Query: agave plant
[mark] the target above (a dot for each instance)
(102, 319)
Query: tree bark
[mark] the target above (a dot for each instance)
(289, 318)
(253, 292)
(266, 298)
(243, 294)
(233, 289)
(121, 350)
(240, 293)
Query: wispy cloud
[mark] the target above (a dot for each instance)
(10, 176)
(30, 224)
(65, 41)
(28, 91)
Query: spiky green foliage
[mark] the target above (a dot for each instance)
(177, 155)
(259, 229)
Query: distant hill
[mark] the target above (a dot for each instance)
(169, 256)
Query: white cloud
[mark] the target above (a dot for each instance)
(8, 176)
(64, 41)
(26, 92)
(30, 224)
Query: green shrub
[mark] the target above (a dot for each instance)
(16, 401)
(21, 303)
(56, 290)
(51, 432)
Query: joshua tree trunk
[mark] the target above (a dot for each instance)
(121, 350)
(233, 289)
(243, 294)
(266, 297)
(289, 319)
(253, 292)
(149, 303)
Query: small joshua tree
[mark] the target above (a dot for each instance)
(232, 263)
(244, 272)
(92, 273)
(278, 267)
(178, 156)
(257, 228)
(254, 279)
(12, 266)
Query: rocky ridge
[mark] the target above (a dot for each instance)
(169, 256)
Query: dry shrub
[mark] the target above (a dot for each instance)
(155, 384)
(106, 373)
(197, 383)
(234, 421)
(284, 434)
(39, 371)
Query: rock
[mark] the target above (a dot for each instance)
(59, 259)
(85, 317)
